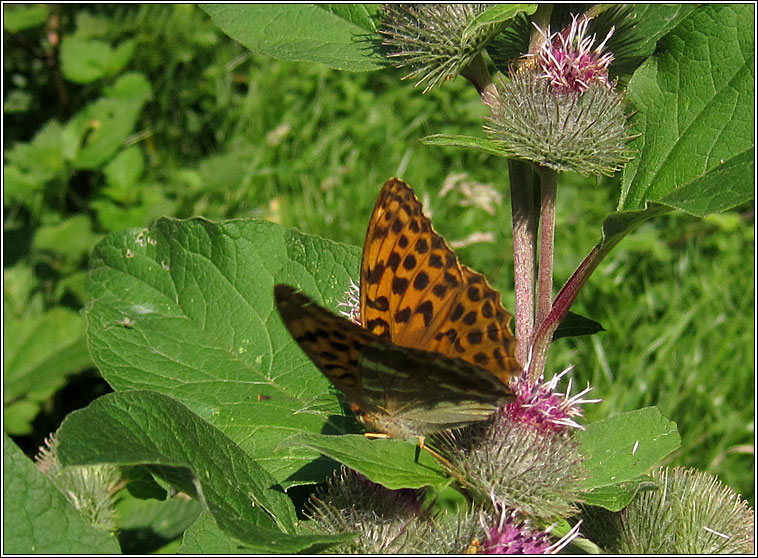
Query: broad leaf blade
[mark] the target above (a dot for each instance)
(186, 309)
(617, 496)
(148, 524)
(340, 36)
(695, 103)
(205, 537)
(623, 448)
(391, 463)
(143, 427)
(637, 37)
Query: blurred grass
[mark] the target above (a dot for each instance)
(230, 134)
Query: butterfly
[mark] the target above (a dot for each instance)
(435, 351)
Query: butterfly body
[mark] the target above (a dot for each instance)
(435, 350)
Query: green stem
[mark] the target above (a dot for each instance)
(541, 18)
(524, 251)
(478, 74)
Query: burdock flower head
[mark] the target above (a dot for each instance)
(541, 406)
(568, 61)
(391, 521)
(90, 489)
(437, 41)
(558, 109)
(512, 535)
(516, 466)
(382, 517)
(691, 512)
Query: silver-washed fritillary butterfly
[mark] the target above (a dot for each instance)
(436, 351)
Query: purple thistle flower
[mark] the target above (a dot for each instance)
(541, 406)
(516, 539)
(511, 536)
(568, 61)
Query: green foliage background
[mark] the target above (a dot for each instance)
(132, 113)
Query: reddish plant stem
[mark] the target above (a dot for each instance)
(524, 253)
(613, 231)
(548, 188)
(560, 308)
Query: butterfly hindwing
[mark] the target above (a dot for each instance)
(397, 390)
(423, 392)
(332, 343)
(415, 293)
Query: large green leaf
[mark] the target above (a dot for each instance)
(147, 524)
(205, 537)
(143, 427)
(37, 518)
(636, 38)
(695, 103)
(342, 36)
(186, 309)
(620, 450)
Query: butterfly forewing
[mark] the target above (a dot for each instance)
(415, 293)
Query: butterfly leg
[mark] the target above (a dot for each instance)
(441, 459)
(436, 455)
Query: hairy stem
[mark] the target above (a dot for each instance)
(541, 18)
(560, 308)
(548, 188)
(524, 251)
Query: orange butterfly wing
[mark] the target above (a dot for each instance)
(415, 293)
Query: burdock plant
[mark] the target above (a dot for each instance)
(554, 109)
